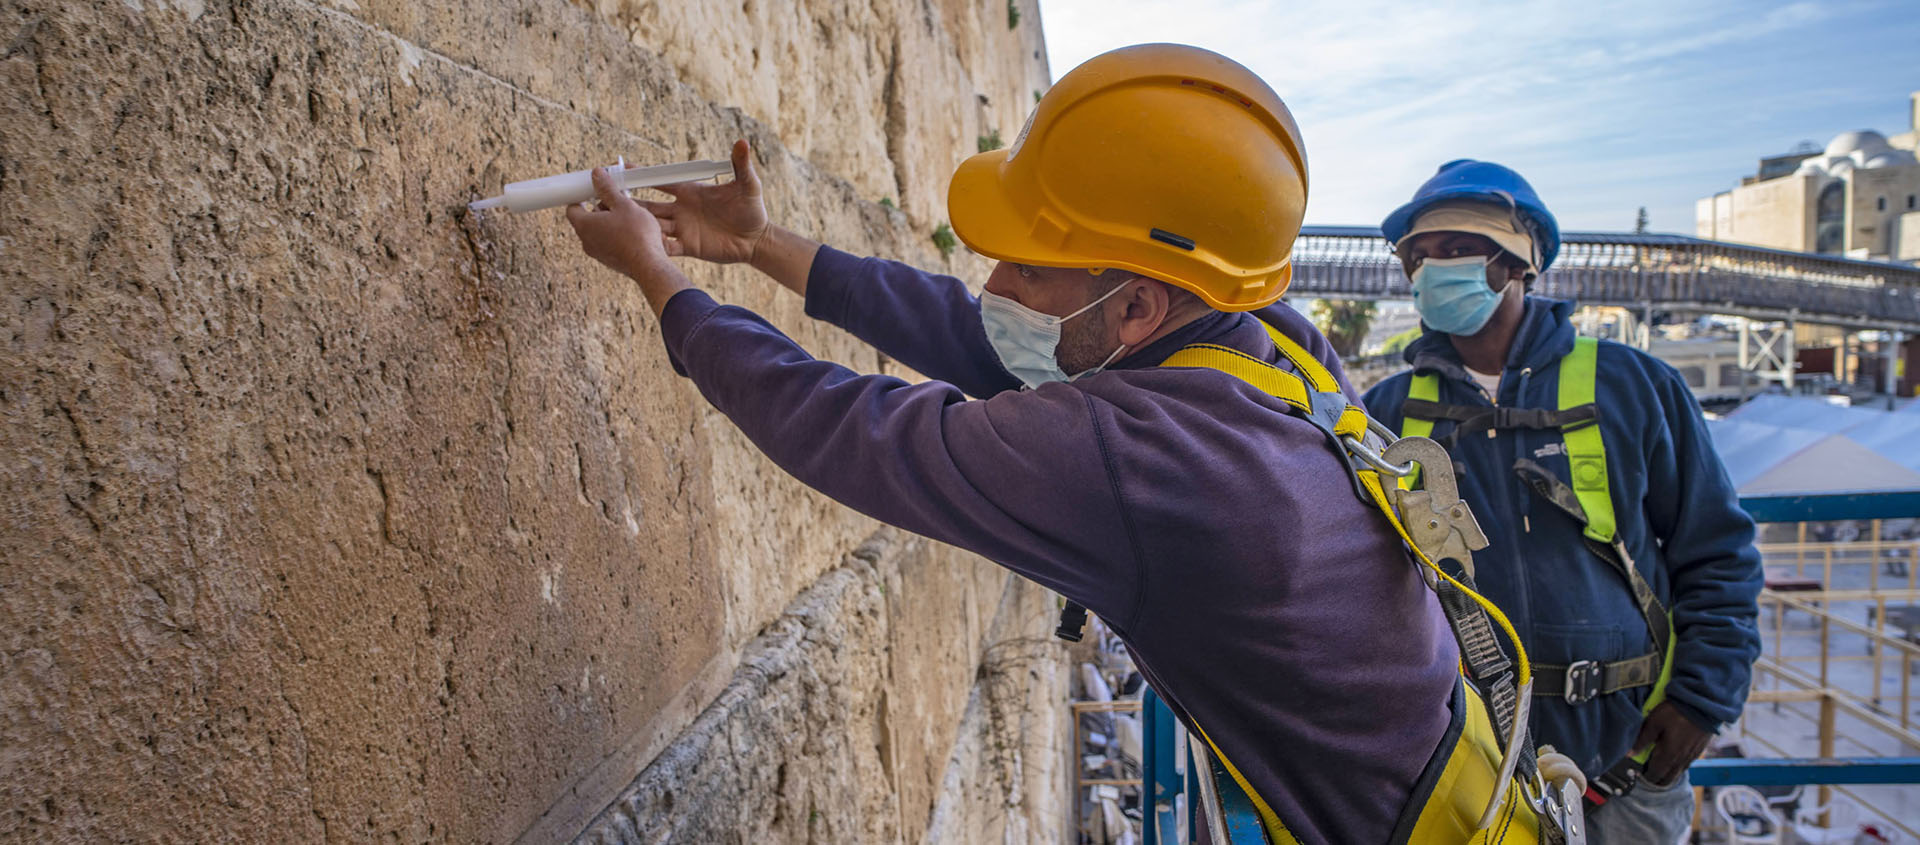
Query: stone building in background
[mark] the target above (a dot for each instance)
(1859, 197)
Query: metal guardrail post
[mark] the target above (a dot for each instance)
(1167, 816)
(1826, 740)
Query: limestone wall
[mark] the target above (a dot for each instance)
(1875, 200)
(335, 512)
(1777, 213)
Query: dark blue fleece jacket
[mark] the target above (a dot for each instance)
(1676, 511)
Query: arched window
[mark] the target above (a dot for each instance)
(1880, 204)
(1830, 216)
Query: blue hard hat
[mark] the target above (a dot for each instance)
(1466, 179)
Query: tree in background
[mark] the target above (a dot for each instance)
(1344, 322)
(1640, 222)
(1399, 342)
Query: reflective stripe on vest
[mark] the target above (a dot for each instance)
(1586, 451)
(1425, 386)
(1452, 810)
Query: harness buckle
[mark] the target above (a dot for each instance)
(1583, 682)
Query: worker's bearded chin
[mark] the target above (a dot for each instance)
(1085, 342)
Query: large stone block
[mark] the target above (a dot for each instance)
(334, 511)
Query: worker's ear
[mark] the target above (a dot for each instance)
(1145, 305)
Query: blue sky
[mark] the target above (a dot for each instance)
(1605, 106)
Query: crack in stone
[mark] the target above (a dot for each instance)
(427, 52)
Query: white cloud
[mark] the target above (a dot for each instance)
(1604, 106)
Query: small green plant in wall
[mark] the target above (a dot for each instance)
(944, 240)
(887, 202)
(989, 141)
(1013, 13)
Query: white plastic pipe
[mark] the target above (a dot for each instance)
(569, 188)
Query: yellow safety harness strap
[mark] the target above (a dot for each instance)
(1280, 384)
(1424, 386)
(1277, 833)
(1371, 480)
(1586, 451)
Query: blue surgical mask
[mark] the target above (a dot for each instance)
(1452, 294)
(1025, 339)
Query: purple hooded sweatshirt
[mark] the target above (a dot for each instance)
(1217, 535)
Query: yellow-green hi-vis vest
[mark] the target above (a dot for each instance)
(1587, 464)
(1468, 782)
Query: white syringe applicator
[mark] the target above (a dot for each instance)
(569, 188)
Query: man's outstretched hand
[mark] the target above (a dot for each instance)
(719, 223)
(626, 237)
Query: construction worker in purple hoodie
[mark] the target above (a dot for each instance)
(1155, 436)
(1618, 547)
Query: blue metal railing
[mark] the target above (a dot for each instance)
(1829, 507)
(1825, 771)
(1172, 814)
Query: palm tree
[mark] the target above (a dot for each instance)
(1344, 322)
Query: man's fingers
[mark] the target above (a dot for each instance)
(669, 226)
(1666, 762)
(576, 212)
(673, 245)
(606, 189)
(743, 166)
(661, 210)
(1649, 734)
(675, 189)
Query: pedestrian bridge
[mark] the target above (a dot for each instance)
(1648, 272)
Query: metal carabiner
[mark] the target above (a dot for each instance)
(1374, 459)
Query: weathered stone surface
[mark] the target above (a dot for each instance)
(795, 750)
(333, 511)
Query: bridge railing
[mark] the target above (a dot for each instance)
(1666, 271)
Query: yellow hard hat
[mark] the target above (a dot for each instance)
(1161, 159)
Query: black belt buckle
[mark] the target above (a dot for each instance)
(1583, 682)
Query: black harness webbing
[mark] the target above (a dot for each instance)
(1581, 681)
(1473, 419)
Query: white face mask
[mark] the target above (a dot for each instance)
(1026, 339)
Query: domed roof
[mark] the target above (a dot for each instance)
(1866, 141)
(1830, 166)
(1892, 158)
